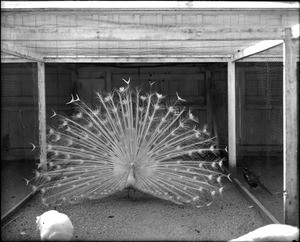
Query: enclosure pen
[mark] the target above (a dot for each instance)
(148, 107)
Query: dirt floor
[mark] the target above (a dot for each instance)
(13, 184)
(144, 218)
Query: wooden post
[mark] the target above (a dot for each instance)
(231, 117)
(290, 133)
(42, 113)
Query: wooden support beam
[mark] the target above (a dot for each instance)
(20, 52)
(290, 133)
(134, 59)
(231, 117)
(134, 31)
(255, 49)
(42, 113)
(141, 58)
(144, 59)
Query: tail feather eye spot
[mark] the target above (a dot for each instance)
(221, 190)
(79, 115)
(43, 190)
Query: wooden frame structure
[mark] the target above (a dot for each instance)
(290, 114)
(268, 38)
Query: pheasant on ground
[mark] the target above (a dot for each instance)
(253, 180)
(131, 140)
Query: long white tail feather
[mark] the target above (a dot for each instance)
(130, 141)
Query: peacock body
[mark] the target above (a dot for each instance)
(131, 140)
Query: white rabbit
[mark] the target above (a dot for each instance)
(54, 226)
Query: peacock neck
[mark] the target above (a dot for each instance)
(131, 180)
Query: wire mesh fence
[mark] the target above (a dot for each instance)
(260, 128)
(260, 109)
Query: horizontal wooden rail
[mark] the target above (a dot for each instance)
(115, 31)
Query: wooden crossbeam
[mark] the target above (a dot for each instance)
(255, 49)
(20, 52)
(121, 32)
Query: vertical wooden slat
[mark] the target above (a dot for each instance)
(42, 112)
(231, 117)
(208, 101)
(108, 81)
(241, 105)
(290, 133)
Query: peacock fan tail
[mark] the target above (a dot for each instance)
(130, 141)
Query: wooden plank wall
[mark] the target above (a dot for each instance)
(188, 81)
(260, 127)
(142, 33)
(261, 111)
(19, 124)
(63, 79)
(219, 101)
(19, 102)
(59, 87)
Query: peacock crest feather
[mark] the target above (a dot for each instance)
(131, 140)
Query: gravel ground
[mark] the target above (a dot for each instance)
(144, 218)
